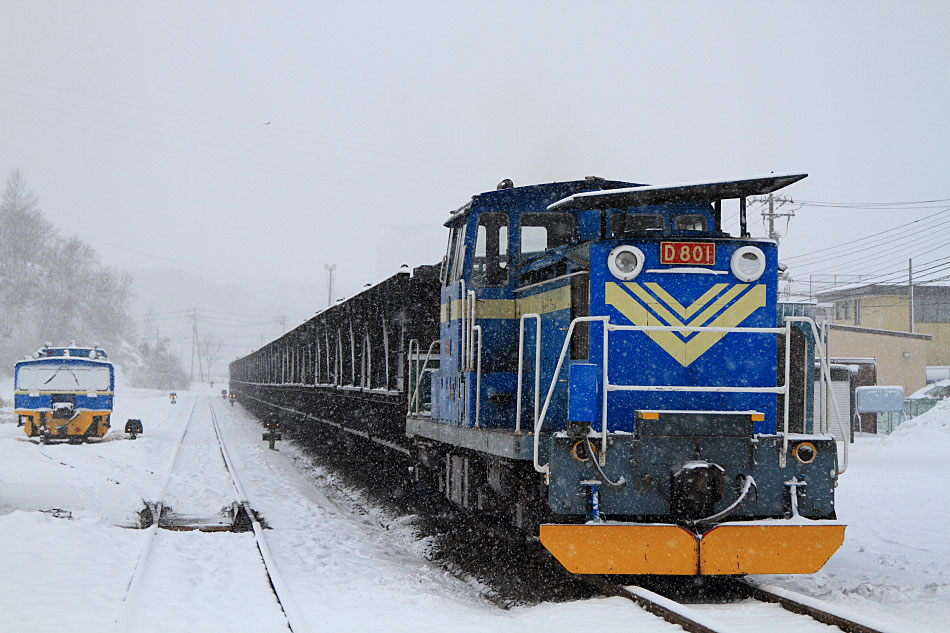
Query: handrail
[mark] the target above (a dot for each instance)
(608, 327)
(783, 456)
(694, 328)
(826, 370)
(478, 378)
(537, 366)
(419, 372)
(412, 342)
(463, 339)
(471, 329)
(546, 468)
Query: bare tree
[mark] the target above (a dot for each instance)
(53, 288)
(211, 348)
(25, 237)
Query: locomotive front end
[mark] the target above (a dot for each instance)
(687, 448)
(64, 393)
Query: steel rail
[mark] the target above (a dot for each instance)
(295, 621)
(123, 619)
(655, 604)
(696, 622)
(795, 603)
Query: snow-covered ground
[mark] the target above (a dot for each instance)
(353, 571)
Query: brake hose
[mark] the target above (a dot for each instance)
(722, 514)
(593, 458)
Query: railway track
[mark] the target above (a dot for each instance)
(748, 602)
(766, 601)
(165, 524)
(801, 612)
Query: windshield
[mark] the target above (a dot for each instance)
(62, 377)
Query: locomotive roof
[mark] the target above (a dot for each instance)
(94, 354)
(667, 194)
(539, 197)
(59, 360)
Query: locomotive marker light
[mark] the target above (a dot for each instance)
(133, 427)
(748, 263)
(271, 435)
(625, 262)
(805, 453)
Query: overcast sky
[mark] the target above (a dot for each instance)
(255, 142)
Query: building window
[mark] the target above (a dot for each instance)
(932, 309)
(843, 310)
(857, 312)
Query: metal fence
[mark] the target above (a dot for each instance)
(887, 422)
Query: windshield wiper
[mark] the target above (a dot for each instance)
(64, 365)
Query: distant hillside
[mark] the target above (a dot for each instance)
(54, 288)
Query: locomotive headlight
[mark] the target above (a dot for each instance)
(625, 262)
(748, 263)
(805, 453)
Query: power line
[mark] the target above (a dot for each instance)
(894, 248)
(930, 268)
(869, 205)
(866, 237)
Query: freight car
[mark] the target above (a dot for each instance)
(600, 363)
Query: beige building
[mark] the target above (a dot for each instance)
(901, 357)
(887, 307)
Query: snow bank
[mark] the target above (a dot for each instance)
(895, 561)
(928, 433)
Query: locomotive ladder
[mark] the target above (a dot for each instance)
(608, 327)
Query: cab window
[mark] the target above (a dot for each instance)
(454, 254)
(630, 223)
(490, 263)
(542, 231)
(689, 222)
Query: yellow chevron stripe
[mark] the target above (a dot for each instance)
(736, 314)
(718, 304)
(685, 352)
(639, 315)
(684, 313)
(655, 305)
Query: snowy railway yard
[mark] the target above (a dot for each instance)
(75, 557)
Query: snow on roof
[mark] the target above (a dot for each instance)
(696, 191)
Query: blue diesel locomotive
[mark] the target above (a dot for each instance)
(64, 393)
(598, 362)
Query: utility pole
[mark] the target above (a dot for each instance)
(910, 292)
(194, 342)
(771, 214)
(331, 269)
(195, 346)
